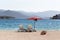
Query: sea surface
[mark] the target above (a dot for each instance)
(13, 24)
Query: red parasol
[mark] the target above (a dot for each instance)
(35, 19)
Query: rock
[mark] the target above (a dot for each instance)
(43, 33)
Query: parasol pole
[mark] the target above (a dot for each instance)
(35, 22)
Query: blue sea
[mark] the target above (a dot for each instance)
(13, 24)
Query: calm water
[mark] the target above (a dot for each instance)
(13, 24)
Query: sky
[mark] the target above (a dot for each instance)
(30, 5)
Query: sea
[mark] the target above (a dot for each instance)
(13, 24)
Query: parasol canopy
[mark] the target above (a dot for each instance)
(34, 18)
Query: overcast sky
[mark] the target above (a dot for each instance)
(30, 5)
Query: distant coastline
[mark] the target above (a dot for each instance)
(6, 17)
(56, 16)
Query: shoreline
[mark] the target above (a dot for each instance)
(36, 30)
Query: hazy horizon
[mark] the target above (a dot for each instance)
(45, 14)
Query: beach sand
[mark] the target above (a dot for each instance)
(13, 35)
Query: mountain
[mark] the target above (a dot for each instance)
(45, 14)
(15, 14)
(24, 15)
